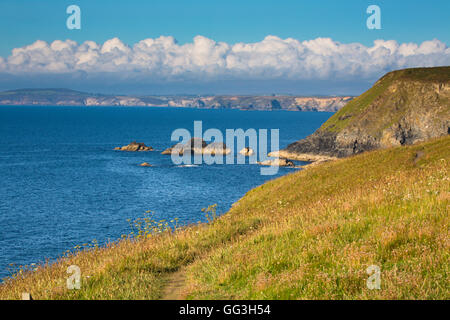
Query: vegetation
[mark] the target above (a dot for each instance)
(308, 235)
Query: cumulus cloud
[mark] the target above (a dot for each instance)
(163, 59)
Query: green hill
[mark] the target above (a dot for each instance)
(403, 107)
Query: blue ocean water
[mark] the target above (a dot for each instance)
(63, 185)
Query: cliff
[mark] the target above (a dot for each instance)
(402, 108)
(66, 97)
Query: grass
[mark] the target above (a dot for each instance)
(308, 235)
(434, 74)
(343, 117)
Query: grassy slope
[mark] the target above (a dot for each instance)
(310, 234)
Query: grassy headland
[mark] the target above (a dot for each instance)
(404, 107)
(308, 235)
(394, 89)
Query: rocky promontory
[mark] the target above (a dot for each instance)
(279, 162)
(402, 108)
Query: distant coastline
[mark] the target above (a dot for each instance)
(67, 97)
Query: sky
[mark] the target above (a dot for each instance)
(217, 47)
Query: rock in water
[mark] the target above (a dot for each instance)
(403, 107)
(216, 148)
(145, 164)
(135, 146)
(168, 150)
(247, 152)
(195, 145)
(280, 162)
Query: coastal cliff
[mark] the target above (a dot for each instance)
(66, 97)
(402, 108)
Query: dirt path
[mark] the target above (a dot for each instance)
(174, 286)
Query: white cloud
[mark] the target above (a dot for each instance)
(162, 59)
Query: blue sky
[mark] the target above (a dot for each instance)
(24, 21)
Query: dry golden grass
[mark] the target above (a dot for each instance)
(308, 235)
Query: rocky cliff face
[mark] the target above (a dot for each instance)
(291, 103)
(403, 107)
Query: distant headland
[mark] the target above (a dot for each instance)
(67, 97)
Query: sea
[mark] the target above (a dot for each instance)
(63, 185)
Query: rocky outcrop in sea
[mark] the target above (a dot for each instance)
(134, 147)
